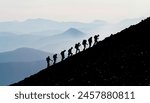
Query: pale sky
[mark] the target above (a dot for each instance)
(73, 10)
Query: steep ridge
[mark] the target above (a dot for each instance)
(121, 59)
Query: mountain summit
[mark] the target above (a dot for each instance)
(121, 59)
(73, 32)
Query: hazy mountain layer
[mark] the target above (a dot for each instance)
(23, 55)
(55, 43)
(15, 71)
(29, 33)
(17, 64)
(36, 26)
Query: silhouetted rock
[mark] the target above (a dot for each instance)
(121, 59)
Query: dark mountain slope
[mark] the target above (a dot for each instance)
(121, 59)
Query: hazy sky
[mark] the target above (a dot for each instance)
(73, 10)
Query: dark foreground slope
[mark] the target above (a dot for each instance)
(121, 59)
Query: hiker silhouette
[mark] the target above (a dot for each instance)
(77, 47)
(84, 43)
(70, 52)
(96, 39)
(48, 61)
(90, 42)
(63, 55)
(54, 58)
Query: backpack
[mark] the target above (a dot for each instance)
(84, 42)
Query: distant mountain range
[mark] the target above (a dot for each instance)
(9, 41)
(35, 26)
(15, 71)
(70, 34)
(23, 55)
(48, 27)
(32, 32)
(122, 59)
(17, 64)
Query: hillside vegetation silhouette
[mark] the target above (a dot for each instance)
(121, 59)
